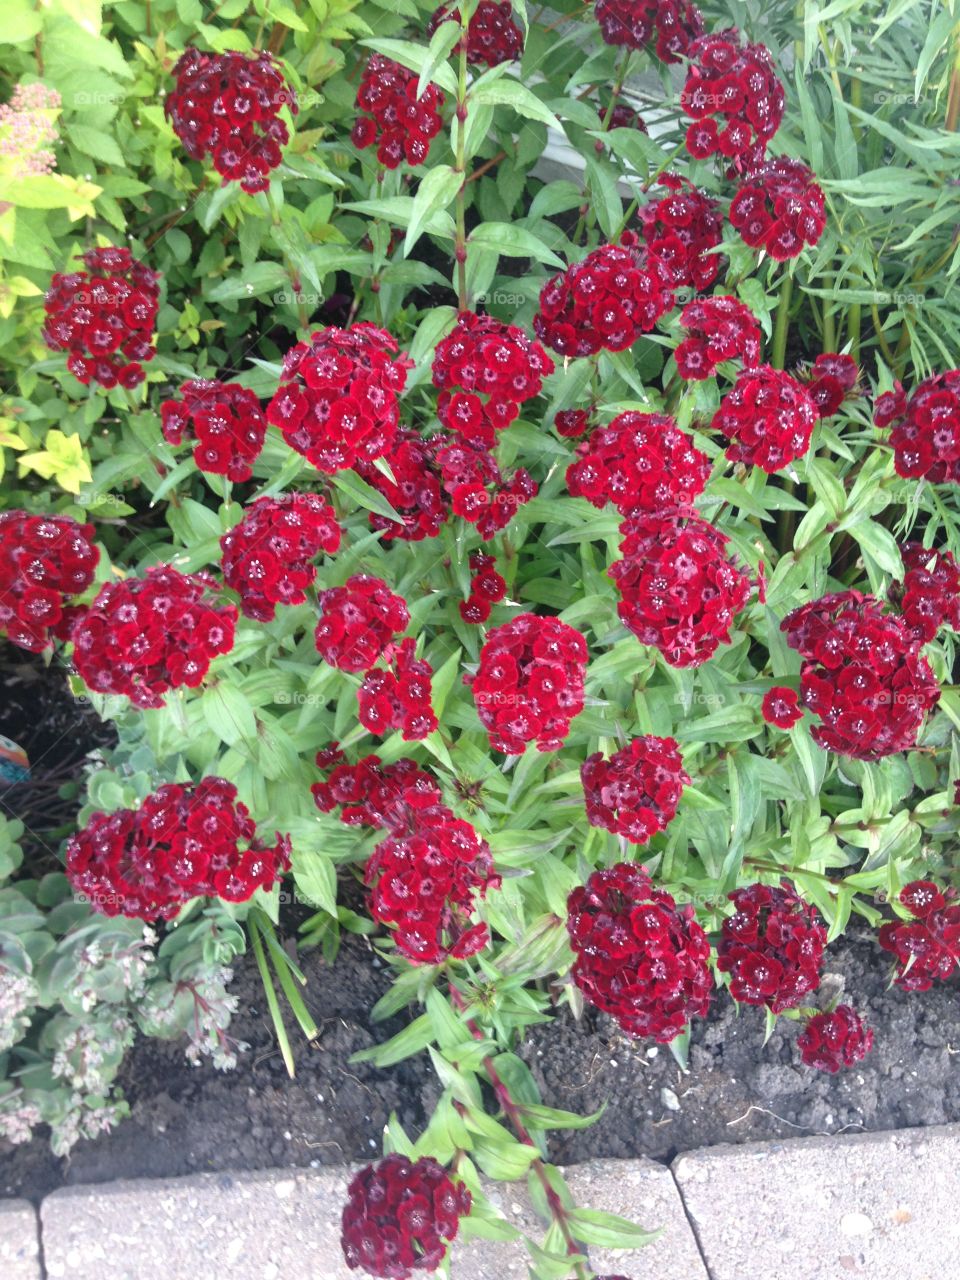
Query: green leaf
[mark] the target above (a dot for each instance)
(512, 93)
(514, 242)
(434, 193)
(609, 1230)
(229, 714)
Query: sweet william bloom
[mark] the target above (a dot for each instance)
(400, 698)
(862, 676)
(492, 35)
(398, 797)
(105, 317)
(733, 97)
(487, 587)
(401, 124)
(927, 947)
(639, 957)
(768, 418)
(830, 1041)
(636, 792)
(484, 370)
(640, 462)
(478, 490)
(925, 434)
(400, 1216)
(679, 589)
(337, 399)
(185, 841)
(415, 492)
(772, 947)
(717, 329)
(572, 423)
(666, 26)
(45, 561)
(358, 621)
(268, 557)
(143, 636)
(604, 302)
(779, 207)
(227, 106)
(929, 595)
(227, 424)
(781, 707)
(830, 380)
(681, 228)
(622, 116)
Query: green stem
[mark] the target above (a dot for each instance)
(460, 244)
(782, 326)
(587, 220)
(273, 1004)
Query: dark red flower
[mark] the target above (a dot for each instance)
(636, 791)
(487, 587)
(105, 317)
(143, 636)
(398, 797)
(358, 621)
(529, 685)
(337, 399)
(680, 229)
(401, 124)
(640, 462)
(929, 595)
(45, 561)
(484, 370)
(926, 428)
(492, 35)
(927, 947)
(400, 1216)
(227, 422)
(193, 840)
(399, 698)
(622, 116)
(831, 380)
(862, 675)
(228, 105)
(718, 329)
(640, 957)
(830, 1041)
(415, 492)
(679, 589)
(478, 490)
(572, 423)
(768, 417)
(267, 558)
(781, 707)
(604, 302)
(772, 947)
(633, 24)
(779, 207)
(733, 97)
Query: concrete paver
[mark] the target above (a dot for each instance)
(19, 1241)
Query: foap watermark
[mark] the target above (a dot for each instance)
(297, 298)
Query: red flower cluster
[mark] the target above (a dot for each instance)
(781, 707)
(632, 23)
(478, 490)
(484, 357)
(735, 86)
(636, 792)
(640, 462)
(401, 124)
(926, 428)
(143, 636)
(928, 946)
(44, 562)
(718, 329)
(572, 423)
(772, 947)
(640, 957)
(830, 1041)
(337, 399)
(228, 104)
(862, 675)
(267, 556)
(604, 302)
(680, 229)
(358, 622)
(487, 588)
(831, 380)
(529, 685)
(400, 1216)
(399, 796)
(929, 595)
(414, 492)
(492, 35)
(679, 589)
(105, 317)
(768, 417)
(227, 422)
(779, 207)
(185, 841)
(399, 698)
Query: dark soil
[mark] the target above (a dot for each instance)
(187, 1119)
